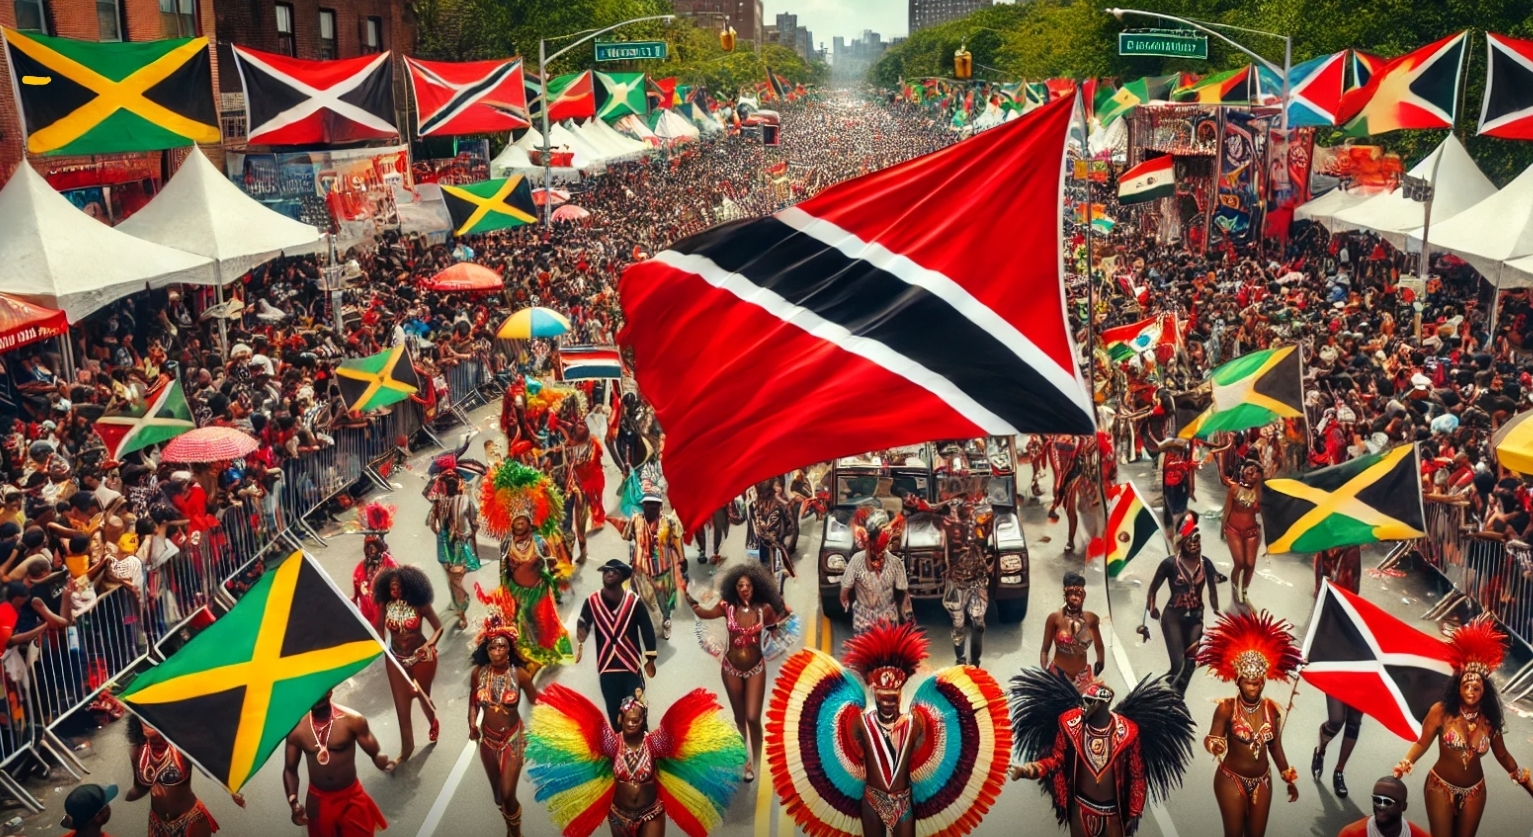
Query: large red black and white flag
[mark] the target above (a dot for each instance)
(1507, 109)
(925, 301)
(290, 101)
(472, 97)
(1373, 662)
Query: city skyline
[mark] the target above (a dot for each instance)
(846, 18)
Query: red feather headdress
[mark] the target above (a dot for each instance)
(376, 518)
(1250, 645)
(887, 655)
(1477, 648)
(501, 620)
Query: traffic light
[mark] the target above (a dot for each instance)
(727, 38)
(963, 64)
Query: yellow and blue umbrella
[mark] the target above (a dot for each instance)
(533, 322)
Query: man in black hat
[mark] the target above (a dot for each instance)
(625, 636)
(87, 809)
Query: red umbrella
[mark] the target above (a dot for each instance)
(466, 276)
(23, 322)
(210, 444)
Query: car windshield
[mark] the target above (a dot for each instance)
(887, 491)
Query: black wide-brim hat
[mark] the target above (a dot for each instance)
(618, 567)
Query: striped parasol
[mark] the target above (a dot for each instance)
(533, 322)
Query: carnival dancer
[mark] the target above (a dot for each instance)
(1070, 457)
(1188, 573)
(1388, 820)
(164, 774)
(770, 527)
(1178, 478)
(376, 520)
(523, 508)
(1242, 527)
(455, 520)
(1070, 632)
(753, 614)
(966, 595)
(655, 551)
(874, 586)
(327, 739)
(625, 638)
(687, 769)
(1343, 566)
(1467, 724)
(496, 687)
(1037, 459)
(1249, 649)
(866, 787)
(584, 482)
(1099, 765)
(402, 606)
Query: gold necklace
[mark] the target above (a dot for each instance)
(323, 756)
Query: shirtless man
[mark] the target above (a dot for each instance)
(337, 806)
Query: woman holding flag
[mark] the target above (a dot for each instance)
(1242, 528)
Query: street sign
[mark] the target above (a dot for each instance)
(1173, 44)
(631, 50)
(1417, 189)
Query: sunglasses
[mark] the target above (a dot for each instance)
(1382, 802)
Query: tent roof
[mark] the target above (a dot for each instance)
(1518, 273)
(1460, 185)
(530, 140)
(514, 156)
(55, 255)
(1490, 232)
(615, 138)
(203, 212)
(593, 151)
(669, 125)
(1322, 210)
(560, 136)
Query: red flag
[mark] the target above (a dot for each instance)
(1417, 90)
(1507, 109)
(878, 313)
(1373, 662)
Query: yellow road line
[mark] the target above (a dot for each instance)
(827, 636)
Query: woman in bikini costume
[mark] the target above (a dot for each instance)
(1249, 649)
(1188, 572)
(496, 688)
(403, 596)
(165, 775)
(1467, 723)
(1242, 529)
(749, 604)
(1071, 631)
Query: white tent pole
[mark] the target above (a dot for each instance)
(223, 322)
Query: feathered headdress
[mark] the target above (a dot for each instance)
(501, 620)
(887, 655)
(515, 490)
(1477, 648)
(376, 518)
(1250, 645)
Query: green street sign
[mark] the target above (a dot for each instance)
(631, 50)
(1164, 44)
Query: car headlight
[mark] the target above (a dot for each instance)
(1011, 563)
(1011, 579)
(835, 562)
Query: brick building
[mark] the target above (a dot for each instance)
(924, 13)
(746, 16)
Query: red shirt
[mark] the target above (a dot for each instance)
(1360, 829)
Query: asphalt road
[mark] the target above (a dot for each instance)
(442, 790)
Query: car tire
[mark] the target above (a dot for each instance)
(1011, 611)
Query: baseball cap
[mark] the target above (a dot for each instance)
(85, 802)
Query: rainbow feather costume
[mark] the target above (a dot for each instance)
(698, 757)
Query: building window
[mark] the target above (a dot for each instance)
(285, 41)
(30, 16)
(108, 20)
(372, 35)
(326, 35)
(179, 18)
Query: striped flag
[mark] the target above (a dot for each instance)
(584, 363)
(1148, 181)
(1131, 526)
(1126, 341)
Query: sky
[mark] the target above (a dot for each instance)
(847, 18)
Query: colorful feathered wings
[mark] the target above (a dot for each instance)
(817, 766)
(698, 754)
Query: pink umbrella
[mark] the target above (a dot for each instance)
(210, 444)
(570, 212)
(466, 276)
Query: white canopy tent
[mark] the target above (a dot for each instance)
(624, 145)
(635, 126)
(1518, 273)
(559, 137)
(670, 127)
(55, 255)
(1490, 233)
(513, 158)
(200, 211)
(592, 151)
(1459, 185)
(1322, 210)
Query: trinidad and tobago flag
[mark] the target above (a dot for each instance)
(291, 101)
(878, 313)
(1507, 109)
(1371, 661)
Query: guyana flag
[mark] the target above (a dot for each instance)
(165, 417)
(1132, 95)
(231, 695)
(490, 205)
(84, 97)
(1252, 390)
(1131, 526)
(1416, 90)
(1370, 499)
(377, 380)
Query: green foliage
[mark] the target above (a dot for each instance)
(1076, 39)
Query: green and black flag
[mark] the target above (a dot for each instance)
(1370, 499)
(490, 205)
(375, 381)
(1252, 390)
(231, 695)
(84, 97)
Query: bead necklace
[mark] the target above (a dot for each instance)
(322, 739)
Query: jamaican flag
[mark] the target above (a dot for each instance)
(165, 417)
(377, 380)
(490, 205)
(232, 694)
(84, 97)
(1252, 390)
(1370, 499)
